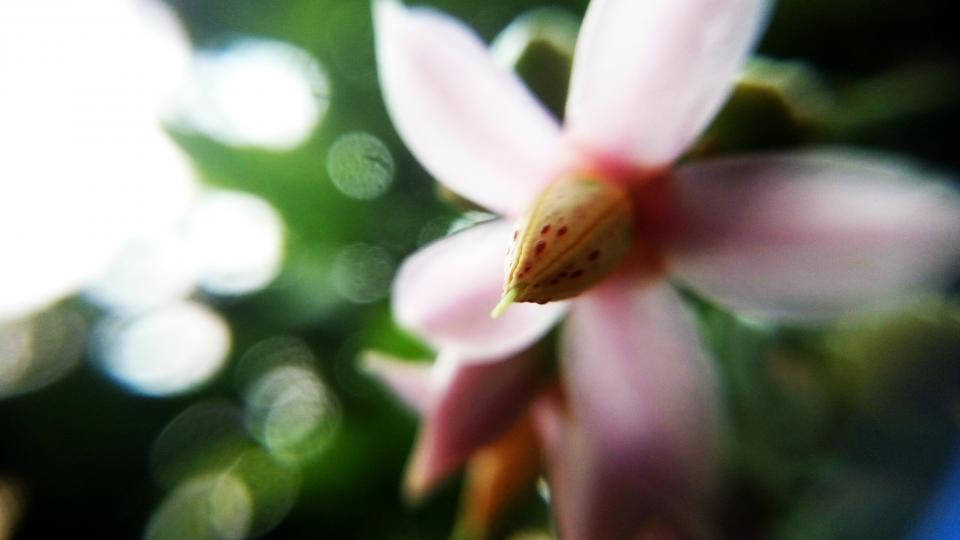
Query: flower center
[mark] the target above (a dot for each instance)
(581, 229)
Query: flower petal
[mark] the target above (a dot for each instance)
(472, 406)
(444, 293)
(409, 381)
(649, 75)
(473, 125)
(643, 412)
(551, 424)
(801, 236)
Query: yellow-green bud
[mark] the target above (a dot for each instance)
(578, 231)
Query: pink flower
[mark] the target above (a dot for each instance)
(797, 237)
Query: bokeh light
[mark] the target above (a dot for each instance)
(235, 241)
(213, 506)
(86, 166)
(360, 165)
(147, 273)
(201, 438)
(39, 350)
(11, 507)
(274, 487)
(227, 243)
(164, 351)
(362, 273)
(255, 92)
(290, 410)
(222, 484)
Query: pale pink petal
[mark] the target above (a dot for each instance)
(409, 381)
(643, 408)
(800, 236)
(444, 294)
(552, 426)
(471, 407)
(472, 124)
(648, 75)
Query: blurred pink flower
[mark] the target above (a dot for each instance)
(797, 236)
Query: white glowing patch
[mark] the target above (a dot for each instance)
(148, 273)
(16, 353)
(255, 92)
(39, 350)
(230, 506)
(235, 241)
(289, 409)
(360, 166)
(86, 165)
(213, 506)
(362, 273)
(166, 351)
(291, 412)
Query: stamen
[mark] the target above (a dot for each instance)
(505, 301)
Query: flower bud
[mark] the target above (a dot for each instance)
(578, 231)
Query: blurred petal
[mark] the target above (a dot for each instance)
(649, 75)
(473, 125)
(801, 236)
(643, 410)
(470, 409)
(409, 381)
(551, 425)
(497, 476)
(444, 293)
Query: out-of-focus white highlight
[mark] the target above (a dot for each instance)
(235, 241)
(224, 484)
(290, 410)
(16, 353)
(213, 506)
(255, 92)
(147, 273)
(39, 350)
(85, 163)
(166, 351)
(228, 243)
(362, 273)
(360, 165)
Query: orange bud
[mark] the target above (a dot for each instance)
(497, 476)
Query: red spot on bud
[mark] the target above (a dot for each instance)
(545, 229)
(562, 231)
(541, 245)
(594, 254)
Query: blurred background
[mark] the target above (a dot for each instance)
(201, 211)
